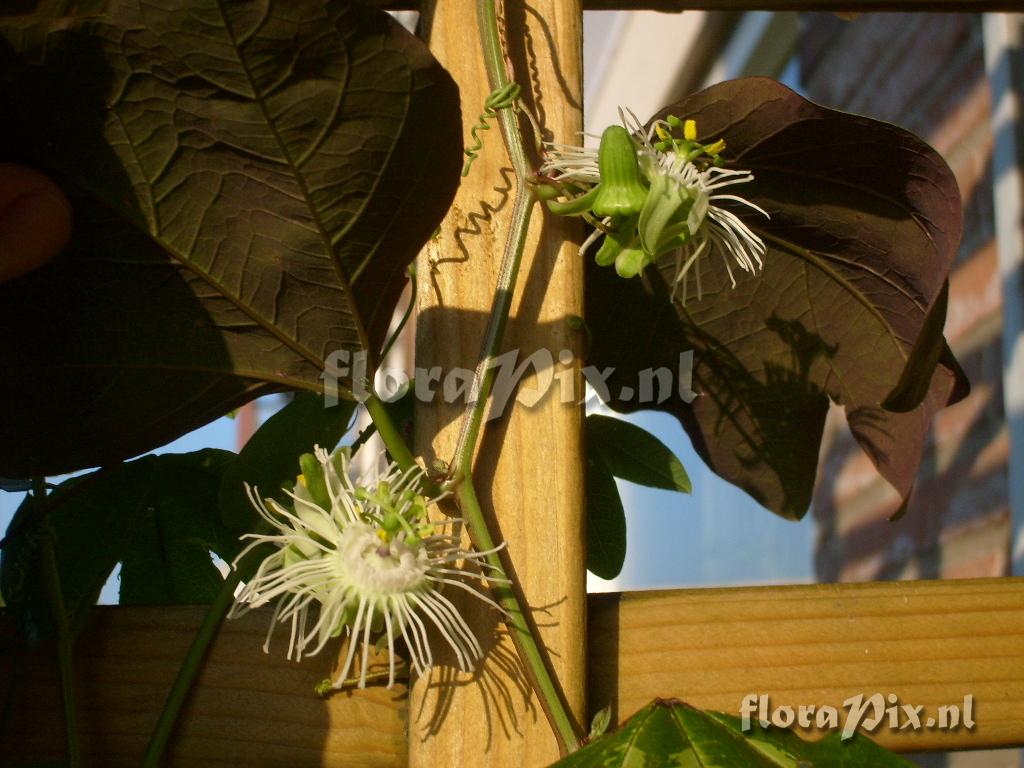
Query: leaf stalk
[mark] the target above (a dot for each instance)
(189, 670)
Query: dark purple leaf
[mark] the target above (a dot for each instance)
(864, 225)
(249, 181)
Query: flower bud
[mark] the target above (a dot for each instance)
(631, 261)
(621, 191)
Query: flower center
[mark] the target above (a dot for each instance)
(375, 568)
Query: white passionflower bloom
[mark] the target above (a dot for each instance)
(361, 557)
(652, 191)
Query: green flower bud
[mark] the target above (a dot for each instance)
(631, 261)
(621, 236)
(621, 191)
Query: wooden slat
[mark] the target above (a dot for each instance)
(529, 466)
(250, 708)
(863, 6)
(929, 642)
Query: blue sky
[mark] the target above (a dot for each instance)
(715, 536)
(217, 434)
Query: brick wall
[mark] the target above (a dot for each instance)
(925, 73)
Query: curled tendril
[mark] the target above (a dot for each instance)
(500, 98)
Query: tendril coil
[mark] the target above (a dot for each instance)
(500, 98)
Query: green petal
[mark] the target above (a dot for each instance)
(699, 210)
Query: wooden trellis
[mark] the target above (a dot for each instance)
(930, 643)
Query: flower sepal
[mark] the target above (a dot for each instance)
(667, 201)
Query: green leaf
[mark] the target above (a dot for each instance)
(669, 732)
(865, 222)
(158, 515)
(270, 458)
(634, 454)
(606, 519)
(168, 559)
(249, 182)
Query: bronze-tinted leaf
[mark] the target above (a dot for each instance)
(864, 224)
(249, 182)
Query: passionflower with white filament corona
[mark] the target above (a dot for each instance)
(649, 192)
(363, 558)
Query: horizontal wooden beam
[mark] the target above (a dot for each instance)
(861, 6)
(249, 708)
(930, 643)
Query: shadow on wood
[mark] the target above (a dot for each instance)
(929, 642)
(249, 708)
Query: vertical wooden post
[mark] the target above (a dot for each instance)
(529, 467)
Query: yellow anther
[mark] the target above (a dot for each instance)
(716, 148)
(383, 535)
(690, 130)
(301, 479)
(662, 133)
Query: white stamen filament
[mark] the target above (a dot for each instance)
(712, 228)
(331, 563)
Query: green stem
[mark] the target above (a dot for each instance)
(520, 630)
(522, 633)
(189, 670)
(486, 371)
(544, 683)
(498, 76)
(65, 641)
(389, 433)
(483, 380)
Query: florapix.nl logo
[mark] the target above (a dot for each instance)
(528, 380)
